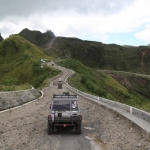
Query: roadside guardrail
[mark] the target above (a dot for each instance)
(137, 112)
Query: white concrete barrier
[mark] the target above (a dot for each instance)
(12, 99)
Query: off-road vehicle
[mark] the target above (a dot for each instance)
(59, 80)
(59, 85)
(64, 112)
(66, 93)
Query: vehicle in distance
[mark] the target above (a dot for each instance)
(59, 85)
(64, 112)
(59, 79)
(65, 93)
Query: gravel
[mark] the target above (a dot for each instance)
(26, 128)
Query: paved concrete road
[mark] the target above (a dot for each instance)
(25, 128)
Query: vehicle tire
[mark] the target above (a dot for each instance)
(50, 129)
(78, 128)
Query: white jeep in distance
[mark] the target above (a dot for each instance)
(59, 79)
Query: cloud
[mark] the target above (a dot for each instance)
(144, 34)
(28, 7)
(95, 37)
(87, 19)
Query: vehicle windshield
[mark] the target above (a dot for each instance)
(65, 105)
(61, 105)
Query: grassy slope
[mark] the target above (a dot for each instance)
(104, 56)
(20, 63)
(90, 81)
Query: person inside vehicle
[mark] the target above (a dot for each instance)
(74, 105)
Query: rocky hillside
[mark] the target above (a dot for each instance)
(36, 37)
(136, 83)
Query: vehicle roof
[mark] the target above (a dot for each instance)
(65, 98)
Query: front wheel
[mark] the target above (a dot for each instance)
(78, 128)
(50, 129)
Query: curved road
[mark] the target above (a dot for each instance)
(25, 128)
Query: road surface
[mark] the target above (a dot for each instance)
(25, 128)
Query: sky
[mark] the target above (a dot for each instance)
(122, 22)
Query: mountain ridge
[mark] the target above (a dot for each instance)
(97, 54)
(36, 37)
(103, 56)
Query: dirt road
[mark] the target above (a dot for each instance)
(25, 128)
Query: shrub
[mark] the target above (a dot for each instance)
(10, 81)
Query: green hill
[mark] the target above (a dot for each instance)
(104, 56)
(20, 63)
(94, 54)
(103, 85)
